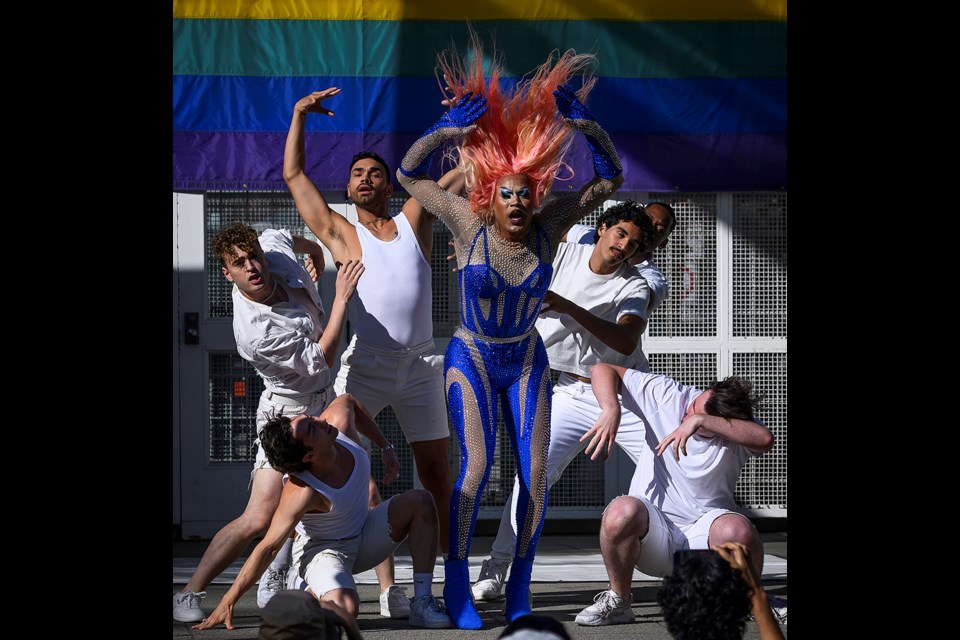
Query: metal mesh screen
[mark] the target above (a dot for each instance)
(235, 390)
(390, 425)
(763, 481)
(260, 210)
(689, 261)
(694, 369)
(760, 265)
(758, 301)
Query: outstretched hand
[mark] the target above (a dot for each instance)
(313, 102)
(570, 106)
(223, 614)
(603, 434)
(464, 113)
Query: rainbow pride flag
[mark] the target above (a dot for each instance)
(692, 92)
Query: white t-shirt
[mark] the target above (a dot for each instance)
(281, 341)
(656, 281)
(659, 288)
(570, 347)
(705, 478)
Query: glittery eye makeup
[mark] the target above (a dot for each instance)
(506, 194)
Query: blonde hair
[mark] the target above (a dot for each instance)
(521, 132)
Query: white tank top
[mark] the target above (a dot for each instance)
(394, 294)
(348, 504)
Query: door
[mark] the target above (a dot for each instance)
(216, 391)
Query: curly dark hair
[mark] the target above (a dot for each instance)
(704, 598)
(733, 397)
(670, 214)
(284, 452)
(238, 234)
(627, 211)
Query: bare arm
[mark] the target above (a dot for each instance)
(347, 277)
(315, 262)
(739, 558)
(329, 226)
(349, 415)
(603, 434)
(295, 500)
(622, 336)
(755, 437)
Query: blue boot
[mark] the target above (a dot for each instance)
(457, 596)
(518, 589)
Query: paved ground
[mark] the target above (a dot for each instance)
(562, 599)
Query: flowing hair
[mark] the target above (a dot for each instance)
(521, 132)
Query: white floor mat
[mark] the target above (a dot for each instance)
(549, 567)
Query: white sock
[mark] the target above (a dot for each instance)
(422, 584)
(282, 561)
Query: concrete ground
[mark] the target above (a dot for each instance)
(571, 564)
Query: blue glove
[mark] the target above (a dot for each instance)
(460, 115)
(571, 108)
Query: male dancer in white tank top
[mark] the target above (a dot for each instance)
(324, 498)
(385, 362)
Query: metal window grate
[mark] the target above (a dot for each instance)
(758, 301)
(689, 261)
(760, 265)
(260, 210)
(390, 426)
(763, 481)
(235, 390)
(694, 369)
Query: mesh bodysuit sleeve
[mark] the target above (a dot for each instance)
(453, 210)
(560, 213)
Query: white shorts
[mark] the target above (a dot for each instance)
(664, 538)
(272, 405)
(324, 564)
(406, 379)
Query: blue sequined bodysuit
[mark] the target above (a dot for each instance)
(496, 353)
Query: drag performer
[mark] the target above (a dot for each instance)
(511, 145)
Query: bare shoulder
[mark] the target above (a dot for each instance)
(303, 498)
(419, 218)
(339, 410)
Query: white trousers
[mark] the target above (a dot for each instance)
(574, 412)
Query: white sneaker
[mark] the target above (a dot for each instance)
(272, 582)
(186, 606)
(394, 603)
(489, 584)
(426, 612)
(609, 608)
